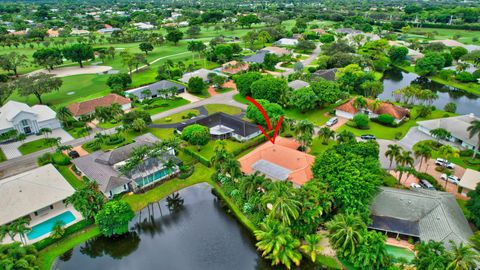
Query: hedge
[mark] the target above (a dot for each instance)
(197, 156)
(253, 142)
(68, 231)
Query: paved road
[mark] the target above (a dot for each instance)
(306, 62)
(24, 163)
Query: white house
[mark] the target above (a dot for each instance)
(26, 119)
(286, 42)
(456, 125)
(469, 181)
(202, 73)
(143, 26)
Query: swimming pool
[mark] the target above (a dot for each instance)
(47, 226)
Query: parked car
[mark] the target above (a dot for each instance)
(444, 163)
(332, 121)
(415, 185)
(427, 185)
(451, 178)
(73, 154)
(368, 137)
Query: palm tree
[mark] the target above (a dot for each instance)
(462, 257)
(64, 114)
(440, 134)
(360, 103)
(474, 129)
(232, 166)
(282, 203)
(424, 152)
(304, 131)
(345, 137)
(405, 161)
(326, 134)
(220, 154)
(392, 153)
(312, 247)
(45, 132)
(346, 233)
(375, 105)
(20, 227)
(447, 151)
(277, 243)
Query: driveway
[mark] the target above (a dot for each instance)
(11, 149)
(306, 62)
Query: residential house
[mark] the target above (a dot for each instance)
(257, 58)
(183, 24)
(202, 73)
(154, 90)
(319, 31)
(469, 181)
(38, 195)
(88, 107)
(419, 214)
(280, 161)
(347, 31)
(457, 126)
(347, 110)
(108, 30)
(234, 67)
(327, 74)
(286, 42)
(277, 50)
(26, 119)
(224, 126)
(79, 32)
(297, 84)
(144, 26)
(53, 32)
(104, 167)
(366, 37)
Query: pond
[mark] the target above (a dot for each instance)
(200, 235)
(395, 79)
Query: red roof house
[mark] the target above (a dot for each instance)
(87, 107)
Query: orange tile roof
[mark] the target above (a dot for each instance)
(283, 153)
(86, 107)
(385, 108)
(319, 31)
(233, 67)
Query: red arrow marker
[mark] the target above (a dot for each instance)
(267, 119)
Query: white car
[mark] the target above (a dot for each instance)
(452, 178)
(332, 121)
(415, 185)
(444, 163)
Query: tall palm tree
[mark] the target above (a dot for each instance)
(20, 227)
(64, 114)
(345, 136)
(474, 129)
(346, 233)
(462, 257)
(375, 105)
(277, 243)
(360, 103)
(311, 246)
(326, 134)
(304, 131)
(392, 153)
(423, 152)
(405, 162)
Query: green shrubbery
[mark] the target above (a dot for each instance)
(56, 158)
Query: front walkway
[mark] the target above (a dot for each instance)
(189, 97)
(11, 149)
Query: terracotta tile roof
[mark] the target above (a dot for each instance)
(53, 33)
(233, 67)
(319, 31)
(283, 153)
(276, 50)
(385, 108)
(86, 107)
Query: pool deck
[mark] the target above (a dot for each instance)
(39, 219)
(400, 243)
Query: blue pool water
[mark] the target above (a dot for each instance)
(47, 226)
(152, 177)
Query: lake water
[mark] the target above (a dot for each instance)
(395, 79)
(199, 236)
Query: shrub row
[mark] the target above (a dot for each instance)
(253, 142)
(197, 156)
(55, 158)
(68, 231)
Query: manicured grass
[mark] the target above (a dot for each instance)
(108, 125)
(162, 133)
(472, 87)
(213, 108)
(33, 146)
(466, 36)
(47, 256)
(2, 156)
(177, 117)
(71, 178)
(318, 147)
(208, 150)
(392, 133)
(166, 104)
(241, 99)
(106, 147)
(318, 117)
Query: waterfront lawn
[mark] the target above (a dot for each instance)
(2, 156)
(393, 133)
(214, 108)
(33, 146)
(71, 178)
(177, 117)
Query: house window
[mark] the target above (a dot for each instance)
(24, 122)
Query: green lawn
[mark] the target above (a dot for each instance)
(71, 178)
(207, 151)
(2, 156)
(318, 117)
(177, 117)
(108, 125)
(33, 146)
(391, 133)
(318, 147)
(466, 36)
(213, 108)
(241, 99)
(165, 105)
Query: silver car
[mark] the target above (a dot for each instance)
(332, 121)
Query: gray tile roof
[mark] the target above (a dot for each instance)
(456, 125)
(297, 84)
(327, 74)
(154, 87)
(436, 214)
(258, 58)
(271, 170)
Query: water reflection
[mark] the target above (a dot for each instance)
(395, 79)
